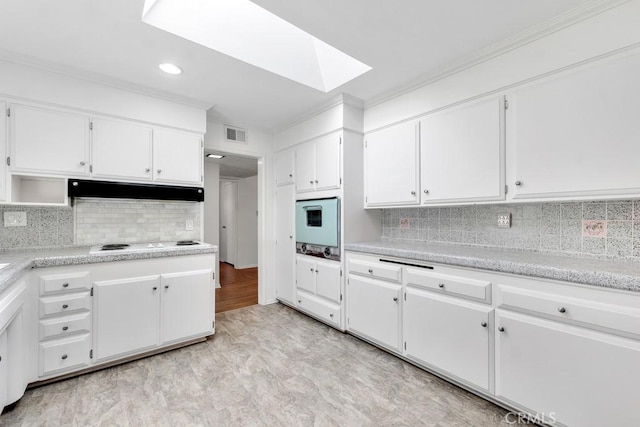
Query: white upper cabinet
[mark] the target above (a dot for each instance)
(462, 153)
(284, 167)
(121, 150)
(578, 134)
(318, 164)
(46, 141)
(285, 253)
(391, 164)
(177, 156)
(3, 154)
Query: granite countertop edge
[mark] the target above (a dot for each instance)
(594, 272)
(23, 261)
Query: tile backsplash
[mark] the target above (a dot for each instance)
(46, 227)
(606, 229)
(107, 221)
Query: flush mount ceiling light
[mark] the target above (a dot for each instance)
(245, 31)
(215, 156)
(170, 68)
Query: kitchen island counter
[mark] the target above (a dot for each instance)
(20, 262)
(614, 274)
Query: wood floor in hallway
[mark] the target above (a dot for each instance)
(238, 288)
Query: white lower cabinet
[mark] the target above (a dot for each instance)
(126, 316)
(3, 370)
(449, 335)
(567, 374)
(65, 354)
(319, 288)
(373, 310)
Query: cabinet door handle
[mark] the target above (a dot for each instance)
(413, 193)
(441, 285)
(395, 299)
(65, 285)
(290, 175)
(312, 269)
(166, 286)
(426, 191)
(155, 288)
(64, 357)
(299, 301)
(518, 183)
(65, 306)
(483, 324)
(371, 271)
(291, 237)
(147, 170)
(159, 170)
(316, 181)
(65, 328)
(310, 182)
(82, 163)
(501, 329)
(316, 271)
(331, 315)
(562, 309)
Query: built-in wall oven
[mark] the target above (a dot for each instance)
(318, 227)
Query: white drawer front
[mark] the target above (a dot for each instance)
(64, 354)
(64, 303)
(64, 282)
(326, 311)
(562, 307)
(63, 325)
(449, 284)
(377, 270)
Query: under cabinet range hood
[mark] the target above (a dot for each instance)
(125, 190)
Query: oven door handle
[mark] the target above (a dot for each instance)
(315, 208)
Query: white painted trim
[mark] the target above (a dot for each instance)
(241, 267)
(589, 9)
(342, 99)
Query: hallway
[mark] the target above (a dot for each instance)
(238, 288)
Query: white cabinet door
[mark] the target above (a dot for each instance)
(126, 316)
(121, 150)
(373, 310)
(4, 378)
(188, 302)
(578, 377)
(177, 157)
(48, 141)
(462, 153)
(328, 162)
(305, 156)
(328, 280)
(285, 243)
(284, 167)
(449, 334)
(306, 273)
(578, 134)
(391, 164)
(3, 156)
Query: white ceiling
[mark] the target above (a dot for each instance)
(404, 41)
(235, 166)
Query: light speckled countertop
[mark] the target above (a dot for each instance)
(21, 262)
(624, 275)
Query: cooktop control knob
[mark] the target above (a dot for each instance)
(327, 252)
(303, 248)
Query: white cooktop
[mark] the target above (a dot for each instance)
(135, 247)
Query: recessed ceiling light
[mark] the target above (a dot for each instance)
(170, 68)
(215, 156)
(246, 31)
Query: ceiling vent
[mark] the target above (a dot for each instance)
(235, 134)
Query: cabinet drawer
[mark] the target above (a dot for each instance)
(474, 289)
(320, 309)
(376, 269)
(64, 354)
(64, 282)
(562, 307)
(64, 303)
(64, 325)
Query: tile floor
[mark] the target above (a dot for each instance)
(266, 365)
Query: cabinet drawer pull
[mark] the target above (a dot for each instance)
(82, 163)
(147, 170)
(501, 329)
(371, 271)
(299, 301)
(65, 285)
(310, 182)
(518, 183)
(159, 170)
(64, 357)
(441, 285)
(562, 309)
(395, 299)
(331, 315)
(65, 328)
(483, 324)
(166, 286)
(65, 306)
(290, 175)
(155, 288)
(426, 191)
(312, 269)
(413, 193)
(316, 181)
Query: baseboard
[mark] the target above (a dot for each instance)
(242, 267)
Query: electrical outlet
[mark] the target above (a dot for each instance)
(15, 219)
(188, 225)
(504, 220)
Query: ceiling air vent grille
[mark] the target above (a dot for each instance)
(235, 134)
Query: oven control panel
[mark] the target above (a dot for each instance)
(328, 252)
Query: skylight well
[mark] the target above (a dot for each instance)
(245, 31)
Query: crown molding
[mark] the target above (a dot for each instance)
(557, 23)
(101, 79)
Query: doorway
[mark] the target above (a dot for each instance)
(231, 222)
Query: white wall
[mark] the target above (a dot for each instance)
(211, 218)
(33, 84)
(247, 223)
(609, 31)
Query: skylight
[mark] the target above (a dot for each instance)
(245, 31)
